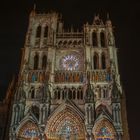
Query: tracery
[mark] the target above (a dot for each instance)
(29, 130)
(104, 131)
(71, 62)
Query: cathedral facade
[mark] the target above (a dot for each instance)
(68, 85)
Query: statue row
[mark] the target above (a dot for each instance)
(97, 76)
(100, 76)
(35, 77)
(69, 77)
(60, 77)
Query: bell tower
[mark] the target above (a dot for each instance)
(69, 84)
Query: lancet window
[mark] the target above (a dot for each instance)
(94, 39)
(102, 38)
(70, 93)
(44, 62)
(32, 92)
(103, 58)
(38, 32)
(46, 31)
(105, 95)
(96, 61)
(36, 61)
(73, 93)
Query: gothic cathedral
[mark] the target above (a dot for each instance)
(69, 85)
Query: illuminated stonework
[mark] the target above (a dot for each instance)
(69, 84)
(104, 130)
(65, 123)
(29, 131)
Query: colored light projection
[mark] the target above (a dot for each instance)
(71, 62)
(104, 130)
(68, 130)
(29, 131)
(65, 125)
(104, 134)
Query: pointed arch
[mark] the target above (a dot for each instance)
(64, 120)
(94, 39)
(103, 60)
(73, 93)
(58, 95)
(32, 92)
(78, 94)
(102, 39)
(38, 31)
(28, 130)
(105, 106)
(36, 61)
(101, 109)
(103, 129)
(96, 61)
(69, 94)
(44, 62)
(46, 31)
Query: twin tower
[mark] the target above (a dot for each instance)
(68, 85)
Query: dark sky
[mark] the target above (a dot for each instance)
(125, 16)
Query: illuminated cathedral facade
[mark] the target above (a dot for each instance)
(68, 85)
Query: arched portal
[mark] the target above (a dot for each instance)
(66, 125)
(29, 131)
(104, 130)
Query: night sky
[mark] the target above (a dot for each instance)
(125, 15)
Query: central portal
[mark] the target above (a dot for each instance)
(66, 125)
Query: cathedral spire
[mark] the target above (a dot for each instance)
(34, 7)
(108, 21)
(97, 20)
(108, 18)
(72, 30)
(33, 12)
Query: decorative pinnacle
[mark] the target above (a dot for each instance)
(33, 12)
(34, 7)
(108, 21)
(108, 18)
